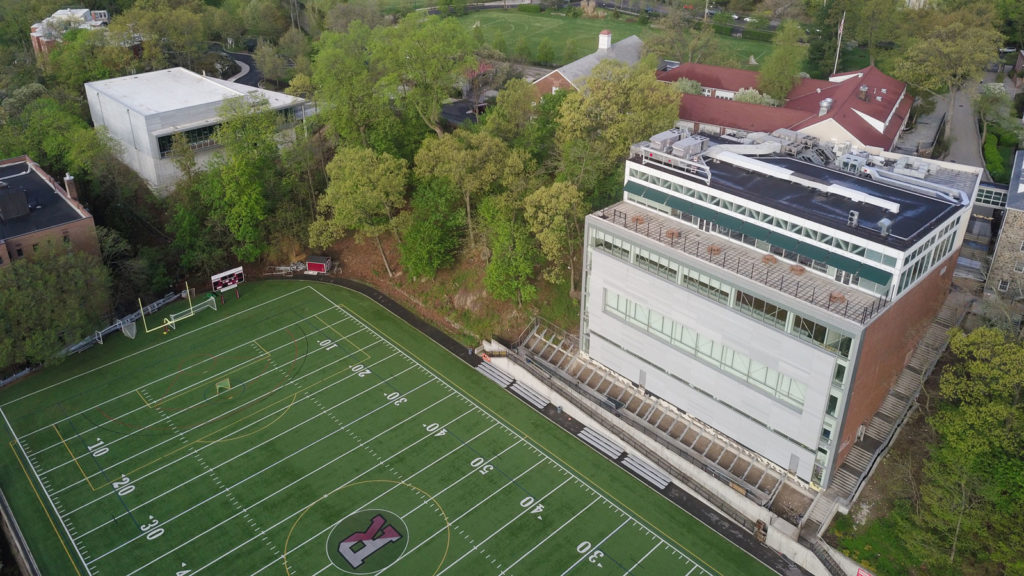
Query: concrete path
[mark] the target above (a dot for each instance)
(965, 145)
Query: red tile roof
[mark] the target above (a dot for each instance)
(732, 79)
(884, 102)
(740, 115)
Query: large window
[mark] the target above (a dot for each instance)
(706, 350)
(197, 138)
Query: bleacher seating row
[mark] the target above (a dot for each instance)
(646, 472)
(495, 374)
(529, 395)
(601, 444)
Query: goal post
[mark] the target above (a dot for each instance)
(223, 385)
(170, 322)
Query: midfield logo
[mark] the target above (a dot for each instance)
(362, 541)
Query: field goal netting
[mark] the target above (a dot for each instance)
(210, 302)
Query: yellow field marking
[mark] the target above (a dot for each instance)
(68, 448)
(261, 347)
(366, 355)
(497, 416)
(447, 523)
(144, 401)
(45, 510)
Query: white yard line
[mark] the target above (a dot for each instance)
(144, 350)
(548, 537)
(642, 558)
(597, 546)
(310, 473)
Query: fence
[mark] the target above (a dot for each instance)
(19, 547)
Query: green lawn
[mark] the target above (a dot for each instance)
(302, 429)
(574, 38)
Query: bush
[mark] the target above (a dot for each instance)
(530, 8)
(993, 160)
(1018, 104)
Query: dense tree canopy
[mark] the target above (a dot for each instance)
(51, 300)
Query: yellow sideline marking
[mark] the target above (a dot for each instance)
(68, 448)
(494, 414)
(48, 517)
(144, 401)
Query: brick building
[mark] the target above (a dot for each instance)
(46, 34)
(573, 75)
(35, 209)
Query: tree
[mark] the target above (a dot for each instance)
(293, 44)
(994, 106)
(617, 107)
(171, 32)
(545, 52)
(265, 19)
(950, 55)
(423, 59)
(752, 96)
(555, 214)
(51, 300)
(472, 162)
(365, 191)
(438, 226)
(780, 69)
(687, 86)
(877, 21)
(247, 170)
(270, 62)
(342, 14)
(513, 111)
(509, 271)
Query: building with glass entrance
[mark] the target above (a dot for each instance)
(773, 298)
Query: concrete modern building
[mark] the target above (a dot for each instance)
(1006, 272)
(774, 299)
(35, 209)
(143, 112)
(46, 34)
(573, 75)
(864, 108)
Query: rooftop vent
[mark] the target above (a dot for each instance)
(884, 227)
(853, 218)
(862, 93)
(604, 40)
(826, 105)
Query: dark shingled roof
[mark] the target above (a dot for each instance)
(46, 208)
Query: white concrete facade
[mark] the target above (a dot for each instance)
(139, 110)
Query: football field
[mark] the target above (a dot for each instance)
(303, 430)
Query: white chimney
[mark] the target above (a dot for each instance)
(70, 186)
(604, 41)
(826, 105)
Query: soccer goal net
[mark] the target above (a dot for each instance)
(128, 329)
(223, 385)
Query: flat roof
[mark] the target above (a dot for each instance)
(1015, 190)
(177, 88)
(47, 208)
(918, 213)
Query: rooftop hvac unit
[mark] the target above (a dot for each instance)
(852, 219)
(663, 142)
(689, 147)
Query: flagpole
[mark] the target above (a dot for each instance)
(840, 43)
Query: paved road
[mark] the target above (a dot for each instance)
(965, 147)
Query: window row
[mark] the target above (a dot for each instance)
(706, 350)
(831, 339)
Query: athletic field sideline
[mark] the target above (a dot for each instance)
(304, 430)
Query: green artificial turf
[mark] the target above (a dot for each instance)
(347, 442)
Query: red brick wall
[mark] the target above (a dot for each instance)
(551, 82)
(887, 345)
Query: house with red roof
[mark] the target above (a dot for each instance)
(865, 108)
